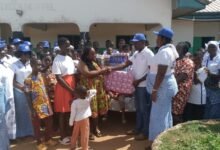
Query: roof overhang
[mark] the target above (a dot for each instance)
(186, 7)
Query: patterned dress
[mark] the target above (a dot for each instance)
(186, 66)
(39, 97)
(100, 103)
(50, 83)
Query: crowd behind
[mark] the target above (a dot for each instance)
(61, 87)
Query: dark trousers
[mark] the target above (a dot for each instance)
(194, 112)
(143, 108)
(37, 125)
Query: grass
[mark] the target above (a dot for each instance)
(193, 136)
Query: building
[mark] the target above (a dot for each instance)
(102, 19)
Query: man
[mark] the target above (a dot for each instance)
(121, 43)
(109, 43)
(140, 62)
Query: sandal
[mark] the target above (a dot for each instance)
(98, 133)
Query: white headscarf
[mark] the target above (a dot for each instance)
(216, 43)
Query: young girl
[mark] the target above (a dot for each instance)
(40, 105)
(80, 113)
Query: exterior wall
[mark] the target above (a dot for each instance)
(103, 32)
(85, 12)
(183, 31)
(50, 32)
(207, 29)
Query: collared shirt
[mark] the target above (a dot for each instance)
(165, 56)
(63, 65)
(22, 71)
(140, 64)
(80, 108)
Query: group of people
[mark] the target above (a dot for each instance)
(66, 86)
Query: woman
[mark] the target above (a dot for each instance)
(184, 72)
(63, 68)
(161, 83)
(22, 69)
(212, 63)
(91, 78)
(10, 115)
(4, 142)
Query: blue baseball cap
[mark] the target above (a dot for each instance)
(138, 37)
(45, 44)
(166, 32)
(55, 44)
(27, 43)
(2, 45)
(16, 41)
(24, 48)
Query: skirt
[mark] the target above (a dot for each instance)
(63, 97)
(4, 142)
(161, 115)
(23, 116)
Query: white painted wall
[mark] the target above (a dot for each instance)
(183, 31)
(85, 12)
(207, 29)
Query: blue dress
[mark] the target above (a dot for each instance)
(161, 114)
(4, 137)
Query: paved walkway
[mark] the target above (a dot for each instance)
(114, 137)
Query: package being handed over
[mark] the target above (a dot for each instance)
(120, 82)
(116, 59)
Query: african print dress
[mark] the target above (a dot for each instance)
(186, 66)
(100, 103)
(39, 97)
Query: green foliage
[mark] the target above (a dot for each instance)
(193, 136)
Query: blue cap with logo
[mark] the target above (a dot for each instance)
(166, 32)
(45, 44)
(138, 37)
(24, 48)
(16, 41)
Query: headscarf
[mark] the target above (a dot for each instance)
(216, 43)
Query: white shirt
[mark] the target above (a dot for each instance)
(212, 65)
(140, 64)
(10, 59)
(198, 91)
(167, 56)
(80, 108)
(63, 65)
(22, 71)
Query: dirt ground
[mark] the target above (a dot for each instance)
(114, 137)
